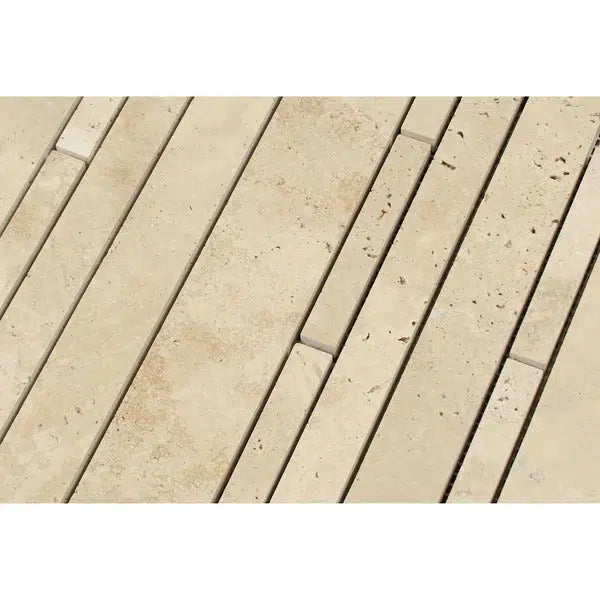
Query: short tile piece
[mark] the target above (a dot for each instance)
(88, 126)
(427, 117)
(496, 434)
(278, 425)
(362, 252)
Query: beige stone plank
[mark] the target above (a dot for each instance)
(278, 425)
(29, 127)
(88, 126)
(363, 249)
(418, 442)
(198, 390)
(71, 251)
(564, 271)
(112, 323)
(559, 458)
(35, 217)
(375, 348)
(426, 118)
(496, 434)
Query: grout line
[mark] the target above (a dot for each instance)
(61, 327)
(506, 353)
(48, 231)
(526, 361)
(542, 385)
(37, 168)
(109, 125)
(431, 303)
(296, 336)
(169, 304)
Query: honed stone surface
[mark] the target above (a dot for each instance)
(496, 434)
(195, 395)
(34, 218)
(28, 129)
(426, 424)
(278, 425)
(559, 458)
(88, 126)
(361, 254)
(67, 258)
(564, 271)
(374, 350)
(426, 118)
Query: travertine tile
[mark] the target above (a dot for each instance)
(372, 355)
(29, 128)
(559, 458)
(426, 118)
(67, 258)
(109, 329)
(34, 218)
(424, 429)
(564, 271)
(196, 393)
(496, 434)
(361, 254)
(88, 126)
(278, 425)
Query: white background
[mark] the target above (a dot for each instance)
(100, 47)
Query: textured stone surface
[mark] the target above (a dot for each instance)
(198, 389)
(70, 253)
(424, 429)
(496, 434)
(374, 350)
(34, 218)
(564, 271)
(88, 126)
(559, 459)
(426, 118)
(278, 425)
(361, 254)
(28, 130)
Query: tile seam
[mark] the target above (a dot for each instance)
(38, 167)
(514, 333)
(526, 361)
(4, 428)
(296, 339)
(169, 304)
(432, 300)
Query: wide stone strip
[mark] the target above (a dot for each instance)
(199, 388)
(360, 381)
(559, 458)
(431, 412)
(71, 251)
(564, 271)
(362, 251)
(87, 127)
(276, 429)
(496, 434)
(29, 128)
(34, 218)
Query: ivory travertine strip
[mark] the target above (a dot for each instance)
(376, 346)
(426, 424)
(496, 434)
(188, 409)
(68, 257)
(34, 218)
(362, 251)
(559, 458)
(427, 117)
(564, 271)
(88, 126)
(29, 128)
(278, 425)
